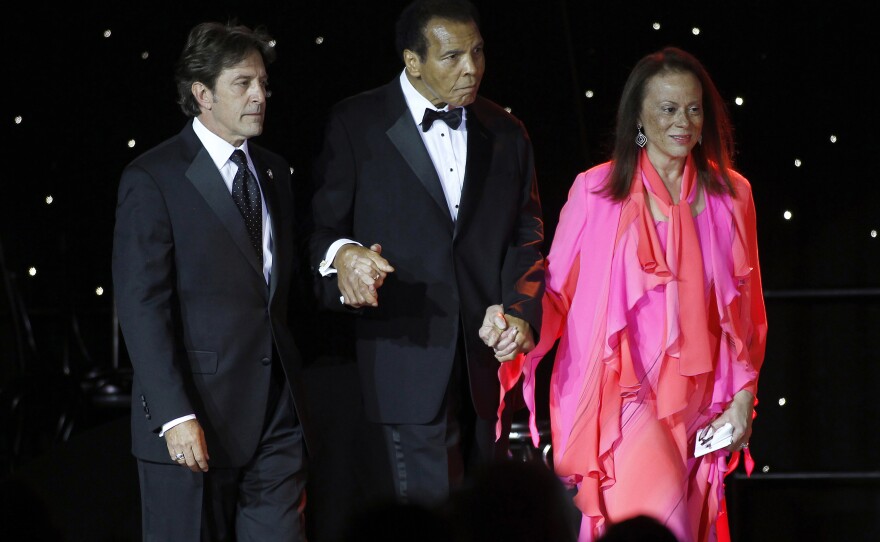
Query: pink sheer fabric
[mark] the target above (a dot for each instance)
(626, 394)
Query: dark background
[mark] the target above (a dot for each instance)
(75, 99)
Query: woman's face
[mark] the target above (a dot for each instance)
(672, 115)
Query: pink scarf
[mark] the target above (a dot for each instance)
(682, 270)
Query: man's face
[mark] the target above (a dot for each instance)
(236, 108)
(453, 66)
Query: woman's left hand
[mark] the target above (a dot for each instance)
(738, 414)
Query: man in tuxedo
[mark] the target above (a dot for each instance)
(203, 258)
(429, 231)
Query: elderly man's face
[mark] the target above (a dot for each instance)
(453, 66)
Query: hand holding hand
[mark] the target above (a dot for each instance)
(360, 273)
(507, 335)
(187, 446)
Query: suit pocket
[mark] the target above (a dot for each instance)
(202, 362)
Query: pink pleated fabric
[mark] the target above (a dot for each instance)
(658, 325)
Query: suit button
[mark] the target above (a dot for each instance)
(149, 417)
(266, 361)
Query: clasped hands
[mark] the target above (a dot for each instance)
(507, 335)
(360, 271)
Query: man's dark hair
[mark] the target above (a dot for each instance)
(210, 48)
(414, 19)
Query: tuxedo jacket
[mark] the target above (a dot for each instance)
(200, 323)
(376, 183)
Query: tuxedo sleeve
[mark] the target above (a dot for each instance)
(143, 283)
(335, 178)
(522, 273)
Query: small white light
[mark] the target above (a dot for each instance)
(786, 215)
(766, 468)
(291, 170)
(738, 100)
(18, 119)
(99, 290)
(32, 271)
(145, 55)
(131, 143)
(49, 199)
(797, 162)
(589, 94)
(782, 401)
(695, 31)
(656, 26)
(508, 109)
(107, 33)
(319, 40)
(874, 233)
(833, 138)
(272, 43)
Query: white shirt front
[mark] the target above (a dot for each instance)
(447, 147)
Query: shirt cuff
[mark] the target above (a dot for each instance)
(172, 423)
(326, 266)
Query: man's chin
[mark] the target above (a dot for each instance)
(463, 101)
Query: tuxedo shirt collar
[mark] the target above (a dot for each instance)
(418, 103)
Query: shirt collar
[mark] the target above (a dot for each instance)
(418, 103)
(218, 148)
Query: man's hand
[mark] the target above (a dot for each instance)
(360, 272)
(507, 335)
(187, 438)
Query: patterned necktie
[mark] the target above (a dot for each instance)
(451, 117)
(246, 194)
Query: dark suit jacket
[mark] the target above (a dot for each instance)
(199, 321)
(376, 184)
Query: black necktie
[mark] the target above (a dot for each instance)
(451, 117)
(246, 194)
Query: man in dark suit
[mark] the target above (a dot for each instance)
(203, 257)
(445, 221)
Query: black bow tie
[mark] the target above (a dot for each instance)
(452, 118)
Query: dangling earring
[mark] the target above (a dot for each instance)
(700, 139)
(641, 140)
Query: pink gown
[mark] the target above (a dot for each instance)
(624, 410)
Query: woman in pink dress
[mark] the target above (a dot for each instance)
(654, 296)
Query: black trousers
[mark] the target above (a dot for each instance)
(260, 501)
(430, 460)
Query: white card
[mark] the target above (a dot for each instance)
(721, 438)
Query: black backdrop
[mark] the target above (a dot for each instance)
(75, 98)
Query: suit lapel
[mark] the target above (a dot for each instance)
(404, 135)
(203, 174)
(479, 156)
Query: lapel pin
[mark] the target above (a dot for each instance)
(269, 173)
